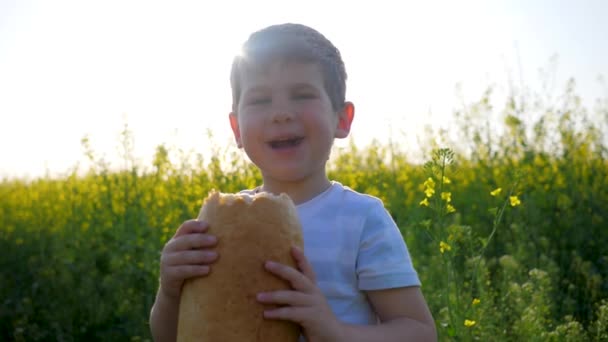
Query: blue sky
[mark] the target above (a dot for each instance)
(70, 68)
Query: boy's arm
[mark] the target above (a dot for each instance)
(185, 256)
(163, 318)
(404, 314)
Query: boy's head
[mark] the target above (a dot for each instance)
(286, 43)
(288, 105)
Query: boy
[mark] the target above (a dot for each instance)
(355, 281)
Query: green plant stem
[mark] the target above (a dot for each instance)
(497, 219)
(441, 227)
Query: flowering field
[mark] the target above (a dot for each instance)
(508, 229)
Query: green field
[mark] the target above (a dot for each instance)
(80, 253)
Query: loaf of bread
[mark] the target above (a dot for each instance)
(222, 306)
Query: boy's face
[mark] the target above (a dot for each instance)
(285, 121)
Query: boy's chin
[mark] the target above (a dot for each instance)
(285, 175)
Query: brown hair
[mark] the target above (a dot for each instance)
(287, 43)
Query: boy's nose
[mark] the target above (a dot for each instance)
(282, 113)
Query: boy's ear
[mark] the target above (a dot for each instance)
(234, 124)
(345, 120)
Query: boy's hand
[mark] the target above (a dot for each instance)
(188, 254)
(305, 304)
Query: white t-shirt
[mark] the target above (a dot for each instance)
(353, 245)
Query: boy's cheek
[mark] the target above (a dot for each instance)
(309, 107)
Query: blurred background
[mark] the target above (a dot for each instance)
(481, 125)
(70, 69)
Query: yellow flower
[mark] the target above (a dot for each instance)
(429, 192)
(429, 183)
(476, 301)
(425, 202)
(451, 209)
(468, 323)
(496, 192)
(447, 196)
(444, 247)
(446, 180)
(514, 201)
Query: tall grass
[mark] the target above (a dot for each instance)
(80, 253)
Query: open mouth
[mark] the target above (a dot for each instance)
(285, 143)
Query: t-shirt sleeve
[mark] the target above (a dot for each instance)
(383, 260)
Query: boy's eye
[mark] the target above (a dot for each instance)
(259, 101)
(304, 96)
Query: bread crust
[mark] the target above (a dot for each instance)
(222, 306)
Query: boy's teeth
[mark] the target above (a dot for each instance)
(285, 143)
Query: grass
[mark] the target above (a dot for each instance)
(80, 253)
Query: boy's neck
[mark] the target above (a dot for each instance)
(300, 191)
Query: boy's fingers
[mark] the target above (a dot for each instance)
(193, 257)
(192, 226)
(284, 297)
(298, 280)
(191, 241)
(287, 313)
(188, 271)
(303, 265)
